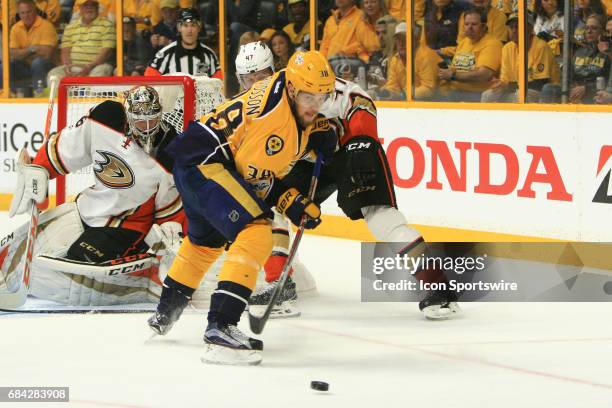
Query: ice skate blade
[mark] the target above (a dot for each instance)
(214, 354)
(436, 312)
(282, 311)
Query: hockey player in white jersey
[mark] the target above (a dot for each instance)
(132, 205)
(360, 173)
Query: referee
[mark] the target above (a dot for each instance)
(187, 54)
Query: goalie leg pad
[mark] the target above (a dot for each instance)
(100, 244)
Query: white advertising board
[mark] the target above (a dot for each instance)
(543, 174)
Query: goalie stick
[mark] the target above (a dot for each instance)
(18, 298)
(257, 323)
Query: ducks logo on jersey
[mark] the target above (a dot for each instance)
(113, 171)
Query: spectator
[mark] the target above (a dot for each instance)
(372, 11)
(165, 31)
(395, 87)
(282, 49)
(266, 35)
(299, 27)
(541, 66)
(426, 63)
(156, 10)
(186, 54)
(142, 11)
(87, 45)
(549, 21)
(135, 49)
(397, 9)
(379, 60)
(475, 62)
(442, 23)
(32, 42)
(589, 63)
(106, 9)
(549, 24)
(582, 10)
(47, 9)
(248, 37)
(345, 34)
(604, 96)
(496, 21)
(242, 17)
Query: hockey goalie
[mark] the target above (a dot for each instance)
(107, 246)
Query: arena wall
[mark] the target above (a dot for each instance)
(460, 174)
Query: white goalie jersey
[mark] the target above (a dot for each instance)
(131, 189)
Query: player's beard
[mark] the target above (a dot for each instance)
(302, 121)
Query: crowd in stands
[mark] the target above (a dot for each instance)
(463, 50)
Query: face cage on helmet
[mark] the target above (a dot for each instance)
(264, 75)
(144, 137)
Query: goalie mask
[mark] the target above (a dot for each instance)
(144, 114)
(253, 63)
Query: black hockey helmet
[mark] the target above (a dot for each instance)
(189, 14)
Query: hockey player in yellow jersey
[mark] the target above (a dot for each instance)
(228, 169)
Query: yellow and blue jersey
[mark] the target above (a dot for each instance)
(255, 133)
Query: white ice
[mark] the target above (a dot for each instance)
(372, 354)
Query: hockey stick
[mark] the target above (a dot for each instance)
(17, 299)
(257, 323)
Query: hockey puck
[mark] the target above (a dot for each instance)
(319, 385)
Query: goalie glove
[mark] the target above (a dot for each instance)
(164, 238)
(294, 205)
(361, 160)
(32, 184)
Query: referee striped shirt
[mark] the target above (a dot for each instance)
(174, 58)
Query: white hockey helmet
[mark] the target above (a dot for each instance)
(144, 113)
(253, 58)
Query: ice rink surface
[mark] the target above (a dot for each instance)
(494, 355)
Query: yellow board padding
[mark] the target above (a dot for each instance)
(191, 263)
(217, 173)
(589, 254)
(343, 227)
(247, 254)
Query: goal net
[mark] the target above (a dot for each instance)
(183, 98)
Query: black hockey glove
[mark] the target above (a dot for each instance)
(323, 139)
(294, 205)
(361, 160)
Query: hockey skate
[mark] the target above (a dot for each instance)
(170, 308)
(286, 305)
(226, 344)
(440, 305)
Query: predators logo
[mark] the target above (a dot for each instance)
(113, 171)
(274, 144)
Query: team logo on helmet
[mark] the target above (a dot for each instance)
(274, 144)
(113, 171)
(299, 59)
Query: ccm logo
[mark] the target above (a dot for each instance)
(359, 145)
(35, 186)
(127, 269)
